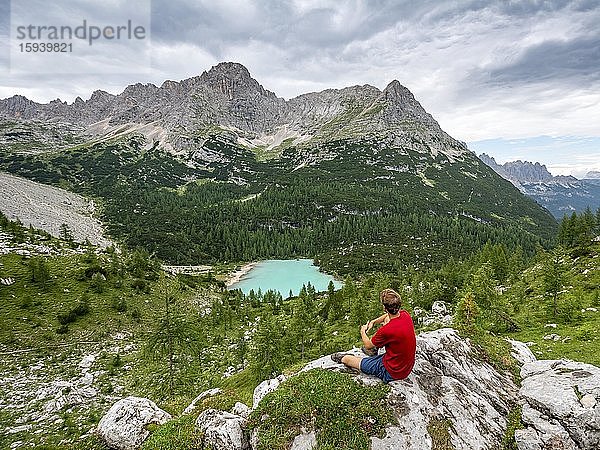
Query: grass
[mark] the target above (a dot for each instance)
(31, 310)
(343, 413)
(240, 386)
(513, 423)
(577, 329)
(439, 430)
(177, 434)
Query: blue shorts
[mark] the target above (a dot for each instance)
(373, 365)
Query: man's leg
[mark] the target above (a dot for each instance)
(352, 361)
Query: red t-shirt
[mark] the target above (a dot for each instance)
(398, 338)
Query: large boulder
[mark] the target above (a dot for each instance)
(222, 430)
(561, 406)
(123, 427)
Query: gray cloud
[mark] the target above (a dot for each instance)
(4, 34)
(575, 60)
(483, 68)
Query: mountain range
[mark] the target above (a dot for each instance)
(217, 168)
(559, 194)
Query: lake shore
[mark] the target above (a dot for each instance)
(237, 276)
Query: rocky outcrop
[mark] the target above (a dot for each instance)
(441, 314)
(561, 407)
(449, 385)
(222, 430)
(123, 427)
(448, 382)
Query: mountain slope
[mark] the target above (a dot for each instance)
(217, 168)
(560, 195)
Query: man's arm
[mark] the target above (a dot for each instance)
(380, 319)
(366, 341)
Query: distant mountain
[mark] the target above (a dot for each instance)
(592, 175)
(559, 194)
(217, 168)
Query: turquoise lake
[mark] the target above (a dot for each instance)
(283, 276)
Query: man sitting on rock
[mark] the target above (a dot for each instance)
(397, 335)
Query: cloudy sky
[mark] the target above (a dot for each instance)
(517, 79)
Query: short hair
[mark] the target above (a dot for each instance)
(391, 301)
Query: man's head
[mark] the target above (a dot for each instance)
(390, 300)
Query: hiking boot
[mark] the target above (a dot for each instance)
(372, 352)
(337, 357)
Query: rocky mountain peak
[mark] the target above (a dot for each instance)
(229, 70)
(396, 90)
(527, 171)
(101, 95)
(234, 81)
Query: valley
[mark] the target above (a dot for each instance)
(191, 181)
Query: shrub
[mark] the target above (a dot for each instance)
(119, 304)
(81, 309)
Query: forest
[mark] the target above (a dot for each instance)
(353, 218)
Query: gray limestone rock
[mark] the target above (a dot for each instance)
(222, 430)
(123, 427)
(561, 405)
(209, 393)
(264, 388)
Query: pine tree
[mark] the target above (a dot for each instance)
(467, 314)
(265, 353)
(174, 337)
(65, 232)
(553, 276)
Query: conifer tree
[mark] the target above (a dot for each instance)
(174, 336)
(265, 352)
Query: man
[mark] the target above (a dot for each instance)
(397, 335)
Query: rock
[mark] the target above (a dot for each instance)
(264, 388)
(62, 394)
(418, 312)
(436, 319)
(87, 361)
(527, 440)
(440, 308)
(448, 380)
(588, 401)
(123, 427)
(240, 409)
(521, 352)
(305, 441)
(222, 430)
(440, 315)
(561, 405)
(209, 393)
(552, 337)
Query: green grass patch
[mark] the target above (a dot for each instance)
(439, 430)
(513, 423)
(177, 434)
(343, 413)
(241, 386)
